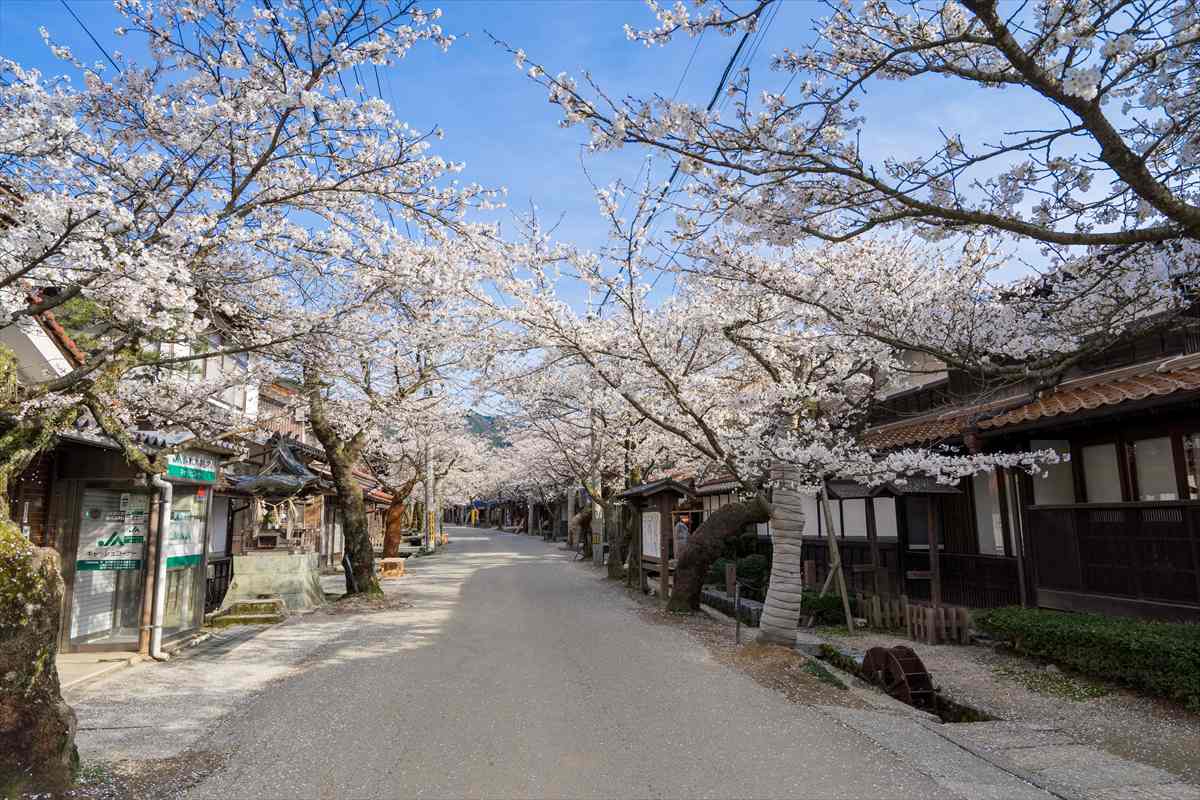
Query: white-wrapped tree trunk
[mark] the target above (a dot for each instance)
(781, 613)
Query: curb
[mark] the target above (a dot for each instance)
(717, 616)
(100, 673)
(999, 762)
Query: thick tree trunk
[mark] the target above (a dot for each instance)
(393, 529)
(581, 526)
(341, 456)
(707, 544)
(37, 728)
(396, 520)
(619, 549)
(781, 613)
(356, 532)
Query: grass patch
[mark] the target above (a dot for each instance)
(1158, 657)
(1053, 683)
(840, 660)
(818, 671)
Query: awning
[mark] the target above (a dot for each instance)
(926, 429)
(913, 485)
(656, 487)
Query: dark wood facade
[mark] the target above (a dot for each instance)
(1116, 529)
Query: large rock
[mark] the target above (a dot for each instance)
(37, 728)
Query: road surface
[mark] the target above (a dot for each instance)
(519, 673)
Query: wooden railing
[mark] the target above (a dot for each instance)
(1141, 551)
(974, 581)
(968, 579)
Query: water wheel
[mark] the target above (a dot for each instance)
(899, 672)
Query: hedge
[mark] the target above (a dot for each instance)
(826, 610)
(1158, 657)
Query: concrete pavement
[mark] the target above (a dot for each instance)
(516, 673)
(527, 677)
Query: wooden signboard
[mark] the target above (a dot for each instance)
(651, 521)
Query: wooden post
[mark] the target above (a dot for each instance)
(664, 564)
(935, 560)
(637, 542)
(873, 541)
(1016, 528)
(810, 573)
(837, 556)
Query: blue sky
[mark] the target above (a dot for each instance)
(500, 123)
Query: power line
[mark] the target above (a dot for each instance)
(687, 67)
(762, 35)
(95, 41)
(675, 170)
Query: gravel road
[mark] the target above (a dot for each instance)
(518, 673)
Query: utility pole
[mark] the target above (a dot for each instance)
(571, 492)
(437, 506)
(430, 544)
(597, 490)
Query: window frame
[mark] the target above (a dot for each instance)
(1123, 436)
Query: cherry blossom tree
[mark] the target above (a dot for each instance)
(772, 391)
(1101, 179)
(588, 432)
(204, 189)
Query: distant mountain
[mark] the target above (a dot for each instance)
(490, 427)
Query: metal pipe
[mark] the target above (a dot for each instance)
(166, 496)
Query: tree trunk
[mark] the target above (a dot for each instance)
(395, 523)
(355, 531)
(619, 549)
(581, 526)
(781, 612)
(37, 728)
(707, 544)
(393, 530)
(341, 456)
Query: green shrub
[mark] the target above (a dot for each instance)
(753, 571)
(827, 610)
(1158, 657)
(716, 573)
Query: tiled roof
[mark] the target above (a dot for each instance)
(1154, 379)
(655, 487)
(1086, 394)
(918, 431)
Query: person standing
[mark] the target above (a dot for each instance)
(682, 531)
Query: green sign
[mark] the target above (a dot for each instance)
(191, 473)
(94, 565)
(193, 465)
(175, 562)
(112, 532)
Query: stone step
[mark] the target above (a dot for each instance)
(266, 605)
(226, 620)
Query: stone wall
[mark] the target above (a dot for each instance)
(293, 577)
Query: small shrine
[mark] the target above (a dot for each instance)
(287, 502)
(280, 534)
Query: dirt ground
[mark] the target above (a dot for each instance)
(778, 668)
(1015, 688)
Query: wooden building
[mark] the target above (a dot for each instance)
(1114, 529)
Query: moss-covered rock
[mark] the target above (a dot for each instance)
(37, 728)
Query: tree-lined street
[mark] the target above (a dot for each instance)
(882, 317)
(516, 672)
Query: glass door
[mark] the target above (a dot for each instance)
(185, 558)
(106, 595)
